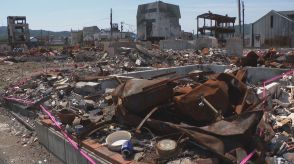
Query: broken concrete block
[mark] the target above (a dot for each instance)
(289, 157)
(206, 42)
(87, 88)
(234, 47)
(90, 104)
(108, 99)
(271, 89)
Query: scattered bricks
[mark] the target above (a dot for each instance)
(207, 161)
(47, 122)
(103, 152)
(113, 157)
(205, 51)
(117, 158)
(91, 144)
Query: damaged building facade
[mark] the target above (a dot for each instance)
(158, 21)
(18, 30)
(220, 26)
(276, 28)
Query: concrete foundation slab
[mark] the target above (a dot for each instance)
(57, 145)
(42, 133)
(255, 74)
(73, 156)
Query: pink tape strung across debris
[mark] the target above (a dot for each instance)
(249, 156)
(25, 102)
(246, 159)
(73, 143)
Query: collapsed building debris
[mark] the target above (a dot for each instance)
(138, 57)
(208, 116)
(162, 95)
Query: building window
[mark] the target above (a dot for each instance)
(257, 37)
(272, 21)
(151, 10)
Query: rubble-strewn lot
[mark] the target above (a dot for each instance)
(198, 117)
(211, 116)
(19, 145)
(128, 58)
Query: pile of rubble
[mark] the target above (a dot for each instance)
(136, 56)
(201, 116)
(125, 57)
(283, 58)
(128, 59)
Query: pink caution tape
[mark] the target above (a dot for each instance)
(66, 136)
(249, 156)
(25, 102)
(73, 143)
(273, 79)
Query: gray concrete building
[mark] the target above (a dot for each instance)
(88, 33)
(18, 30)
(158, 21)
(275, 29)
(105, 35)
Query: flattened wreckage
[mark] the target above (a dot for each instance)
(196, 114)
(201, 116)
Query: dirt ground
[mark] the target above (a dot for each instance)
(17, 144)
(13, 150)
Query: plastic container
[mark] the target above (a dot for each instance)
(127, 149)
(79, 129)
(115, 140)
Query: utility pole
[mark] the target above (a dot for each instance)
(243, 11)
(41, 38)
(48, 37)
(111, 24)
(121, 29)
(239, 14)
